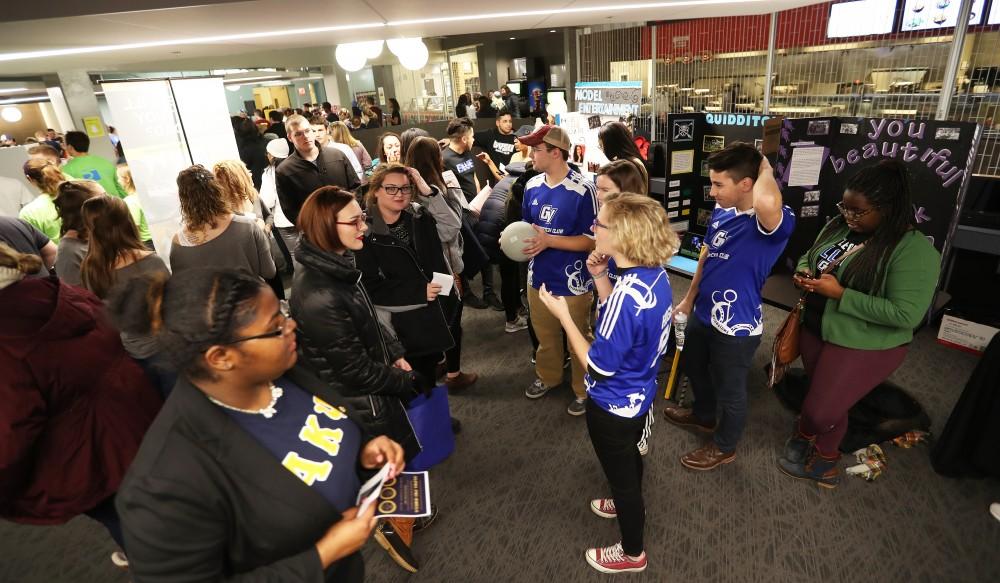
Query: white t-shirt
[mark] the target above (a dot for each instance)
(269, 198)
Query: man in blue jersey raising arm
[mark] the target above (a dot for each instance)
(746, 234)
(562, 206)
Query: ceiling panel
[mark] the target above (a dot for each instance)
(235, 18)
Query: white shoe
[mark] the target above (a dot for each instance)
(604, 507)
(120, 560)
(520, 323)
(995, 510)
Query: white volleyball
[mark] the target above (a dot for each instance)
(512, 240)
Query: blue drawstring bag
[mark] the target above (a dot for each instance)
(431, 421)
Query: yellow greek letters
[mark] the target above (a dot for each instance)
(326, 439)
(321, 406)
(307, 470)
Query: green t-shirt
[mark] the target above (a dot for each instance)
(138, 217)
(41, 213)
(88, 167)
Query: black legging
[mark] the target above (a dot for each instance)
(510, 287)
(453, 356)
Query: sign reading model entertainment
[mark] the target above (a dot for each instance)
(611, 98)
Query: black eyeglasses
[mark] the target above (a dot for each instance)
(393, 190)
(286, 315)
(601, 225)
(853, 213)
(358, 222)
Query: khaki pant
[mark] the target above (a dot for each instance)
(550, 355)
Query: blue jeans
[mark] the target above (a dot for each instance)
(717, 365)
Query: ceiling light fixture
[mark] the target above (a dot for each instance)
(11, 114)
(24, 100)
(18, 56)
(245, 79)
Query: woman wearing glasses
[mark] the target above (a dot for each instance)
(401, 254)
(858, 318)
(633, 324)
(340, 336)
(250, 470)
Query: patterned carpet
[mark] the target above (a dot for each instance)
(514, 497)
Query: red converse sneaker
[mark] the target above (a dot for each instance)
(604, 507)
(614, 560)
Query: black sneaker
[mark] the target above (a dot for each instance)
(473, 301)
(494, 302)
(389, 540)
(425, 521)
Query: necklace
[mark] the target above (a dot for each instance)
(267, 412)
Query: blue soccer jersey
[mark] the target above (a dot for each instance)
(633, 326)
(740, 257)
(566, 209)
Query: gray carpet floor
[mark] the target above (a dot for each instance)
(514, 496)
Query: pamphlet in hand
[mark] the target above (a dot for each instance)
(478, 202)
(408, 495)
(445, 280)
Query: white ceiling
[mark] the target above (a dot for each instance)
(383, 19)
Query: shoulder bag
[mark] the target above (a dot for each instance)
(785, 349)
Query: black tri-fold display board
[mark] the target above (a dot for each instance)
(817, 156)
(692, 139)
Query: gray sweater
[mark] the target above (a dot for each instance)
(68, 259)
(241, 246)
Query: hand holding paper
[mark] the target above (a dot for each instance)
(444, 280)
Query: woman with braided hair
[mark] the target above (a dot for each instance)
(859, 316)
(250, 472)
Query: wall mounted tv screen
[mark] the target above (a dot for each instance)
(932, 14)
(861, 18)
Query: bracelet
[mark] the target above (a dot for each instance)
(601, 274)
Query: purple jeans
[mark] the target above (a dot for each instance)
(838, 378)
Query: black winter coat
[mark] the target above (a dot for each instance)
(493, 216)
(341, 340)
(397, 275)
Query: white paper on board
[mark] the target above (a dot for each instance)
(682, 162)
(805, 166)
(675, 183)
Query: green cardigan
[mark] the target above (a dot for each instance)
(886, 318)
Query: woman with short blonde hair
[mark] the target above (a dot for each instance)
(633, 325)
(237, 186)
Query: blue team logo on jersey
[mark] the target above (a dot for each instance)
(93, 175)
(547, 213)
(719, 239)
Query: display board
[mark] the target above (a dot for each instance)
(598, 102)
(692, 139)
(165, 126)
(817, 156)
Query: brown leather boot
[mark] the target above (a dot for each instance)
(404, 528)
(684, 417)
(706, 458)
(395, 535)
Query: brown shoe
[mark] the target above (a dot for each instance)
(684, 417)
(461, 382)
(706, 458)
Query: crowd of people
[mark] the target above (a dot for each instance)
(475, 105)
(218, 408)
